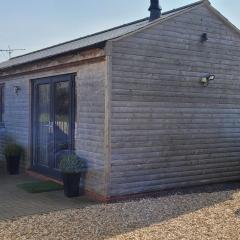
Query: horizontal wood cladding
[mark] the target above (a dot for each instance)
(153, 62)
(90, 117)
(55, 63)
(151, 186)
(167, 130)
(16, 117)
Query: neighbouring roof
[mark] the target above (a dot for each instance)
(90, 40)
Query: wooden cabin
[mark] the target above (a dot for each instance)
(151, 105)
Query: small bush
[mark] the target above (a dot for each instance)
(13, 150)
(71, 163)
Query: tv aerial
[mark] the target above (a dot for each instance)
(10, 51)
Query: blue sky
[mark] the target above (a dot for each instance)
(36, 24)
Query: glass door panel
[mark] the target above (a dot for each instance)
(62, 113)
(43, 121)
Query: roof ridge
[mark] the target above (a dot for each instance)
(111, 29)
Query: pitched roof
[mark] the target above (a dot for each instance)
(90, 40)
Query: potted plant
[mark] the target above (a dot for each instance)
(13, 153)
(71, 167)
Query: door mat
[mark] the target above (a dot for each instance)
(40, 187)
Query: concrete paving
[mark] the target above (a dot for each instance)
(15, 202)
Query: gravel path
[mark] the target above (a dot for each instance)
(193, 216)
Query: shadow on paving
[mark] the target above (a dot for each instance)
(15, 202)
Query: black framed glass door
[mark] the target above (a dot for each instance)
(53, 122)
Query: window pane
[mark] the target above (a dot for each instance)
(44, 103)
(62, 119)
(44, 143)
(62, 110)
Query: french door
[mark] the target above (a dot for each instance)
(52, 122)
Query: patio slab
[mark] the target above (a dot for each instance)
(15, 202)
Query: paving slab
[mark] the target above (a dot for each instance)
(15, 202)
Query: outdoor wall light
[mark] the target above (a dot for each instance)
(17, 89)
(204, 37)
(205, 80)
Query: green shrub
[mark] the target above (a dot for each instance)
(13, 150)
(71, 163)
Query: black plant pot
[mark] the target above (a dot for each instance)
(71, 184)
(13, 165)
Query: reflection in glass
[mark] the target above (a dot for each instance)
(61, 116)
(43, 118)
